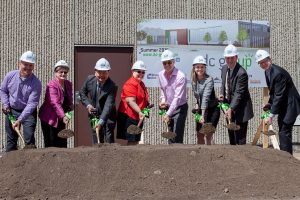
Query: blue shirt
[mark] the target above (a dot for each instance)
(20, 94)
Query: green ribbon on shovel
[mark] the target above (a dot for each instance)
(224, 106)
(198, 117)
(69, 115)
(265, 114)
(162, 112)
(12, 118)
(94, 121)
(146, 112)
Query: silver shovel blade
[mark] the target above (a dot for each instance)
(168, 135)
(66, 133)
(134, 130)
(207, 129)
(233, 126)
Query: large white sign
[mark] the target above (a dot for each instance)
(185, 54)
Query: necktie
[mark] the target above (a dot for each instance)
(98, 96)
(228, 85)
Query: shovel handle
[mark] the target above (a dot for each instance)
(140, 122)
(167, 126)
(19, 134)
(97, 135)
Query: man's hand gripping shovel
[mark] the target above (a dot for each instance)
(167, 134)
(230, 125)
(136, 129)
(13, 120)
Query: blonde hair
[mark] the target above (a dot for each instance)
(194, 77)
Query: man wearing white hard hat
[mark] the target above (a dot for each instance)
(235, 92)
(57, 102)
(284, 99)
(20, 93)
(173, 96)
(98, 95)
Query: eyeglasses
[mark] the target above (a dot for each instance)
(167, 62)
(62, 72)
(140, 72)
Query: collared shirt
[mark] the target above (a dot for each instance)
(20, 94)
(173, 89)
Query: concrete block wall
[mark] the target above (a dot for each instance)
(52, 28)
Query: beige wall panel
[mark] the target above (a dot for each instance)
(51, 28)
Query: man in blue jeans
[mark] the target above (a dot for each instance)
(20, 93)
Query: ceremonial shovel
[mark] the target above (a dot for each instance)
(135, 130)
(206, 128)
(231, 125)
(13, 120)
(65, 133)
(168, 134)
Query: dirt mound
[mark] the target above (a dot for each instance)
(150, 172)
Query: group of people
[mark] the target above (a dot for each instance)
(20, 92)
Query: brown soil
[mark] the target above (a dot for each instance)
(150, 172)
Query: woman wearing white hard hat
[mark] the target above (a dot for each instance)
(207, 103)
(134, 98)
(57, 102)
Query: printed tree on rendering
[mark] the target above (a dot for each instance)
(223, 37)
(207, 37)
(242, 36)
(141, 35)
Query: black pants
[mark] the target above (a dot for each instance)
(285, 135)
(238, 137)
(50, 135)
(106, 134)
(177, 123)
(213, 116)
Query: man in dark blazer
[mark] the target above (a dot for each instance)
(284, 99)
(235, 91)
(98, 95)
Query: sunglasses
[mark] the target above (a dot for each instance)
(62, 72)
(167, 62)
(140, 72)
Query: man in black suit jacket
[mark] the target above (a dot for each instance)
(98, 95)
(284, 98)
(235, 91)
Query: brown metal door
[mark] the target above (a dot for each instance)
(120, 59)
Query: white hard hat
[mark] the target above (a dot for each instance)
(139, 65)
(167, 55)
(102, 65)
(28, 56)
(61, 63)
(199, 60)
(261, 54)
(230, 51)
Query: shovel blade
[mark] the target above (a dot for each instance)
(168, 135)
(207, 129)
(29, 146)
(66, 133)
(233, 126)
(134, 130)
